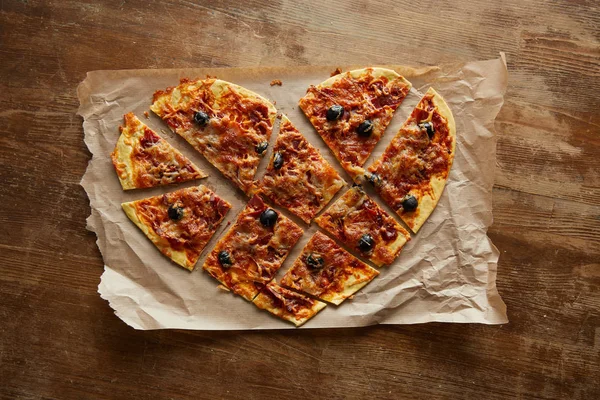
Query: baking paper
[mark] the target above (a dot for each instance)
(447, 272)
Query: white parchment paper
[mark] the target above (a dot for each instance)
(447, 272)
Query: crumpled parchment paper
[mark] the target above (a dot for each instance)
(446, 273)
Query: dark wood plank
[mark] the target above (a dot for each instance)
(58, 339)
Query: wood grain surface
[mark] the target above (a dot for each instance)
(60, 340)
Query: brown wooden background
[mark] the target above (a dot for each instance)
(58, 339)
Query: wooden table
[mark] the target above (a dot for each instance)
(59, 339)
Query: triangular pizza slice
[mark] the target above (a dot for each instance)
(179, 223)
(252, 251)
(327, 271)
(411, 173)
(287, 305)
(228, 124)
(298, 177)
(143, 159)
(351, 111)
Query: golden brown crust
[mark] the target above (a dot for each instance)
(256, 251)
(305, 182)
(239, 120)
(184, 239)
(142, 159)
(413, 164)
(368, 94)
(286, 304)
(327, 271)
(356, 214)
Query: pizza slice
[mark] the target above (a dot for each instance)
(351, 111)
(143, 159)
(253, 249)
(287, 305)
(179, 223)
(360, 224)
(298, 177)
(228, 124)
(411, 173)
(327, 271)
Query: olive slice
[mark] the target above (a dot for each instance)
(261, 147)
(335, 112)
(277, 160)
(175, 212)
(365, 128)
(201, 118)
(366, 243)
(268, 217)
(410, 203)
(225, 258)
(428, 127)
(315, 261)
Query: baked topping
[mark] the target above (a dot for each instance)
(365, 128)
(410, 203)
(366, 243)
(201, 118)
(224, 258)
(315, 261)
(175, 212)
(268, 217)
(261, 147)
(277, 160)
(335, 112)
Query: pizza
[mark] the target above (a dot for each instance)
(227, 123)
(351, 111)
(411, 173)
(327, 271)
(298, 177)
(179, 223)
(361, 225)
(143, 159)
(287, 305)
(253, 250)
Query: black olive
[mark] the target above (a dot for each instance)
(366, 243)
(261, 147)
(225, 258)
(277, 160)
(201, 118)
(428, 126)
(268, 217)
(410, 203)
(365, 128)
(175, 212)
(315, 261)
(373, 178)
(335, 112)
